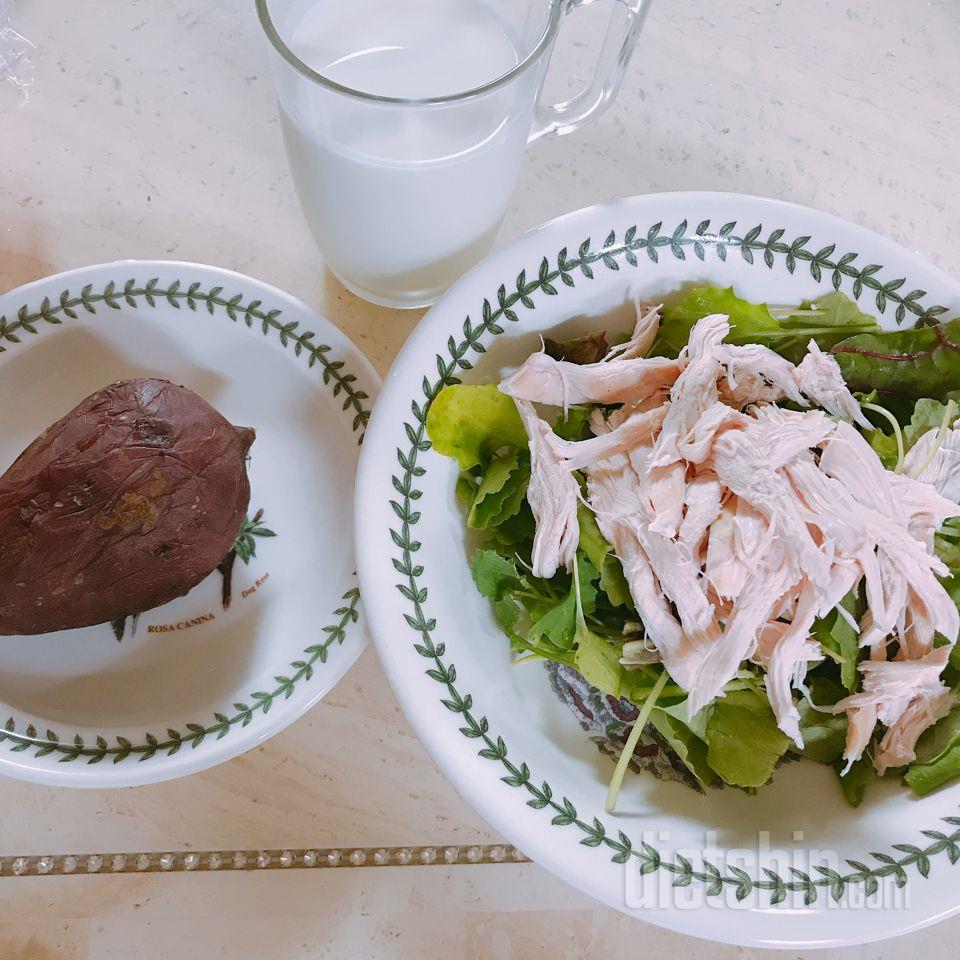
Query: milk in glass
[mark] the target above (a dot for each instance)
(402, 199)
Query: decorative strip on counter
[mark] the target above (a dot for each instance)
(234, 860)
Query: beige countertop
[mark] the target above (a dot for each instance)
(152, 133)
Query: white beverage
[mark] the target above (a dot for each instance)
(402, 199)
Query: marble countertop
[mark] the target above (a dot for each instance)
(151, 132)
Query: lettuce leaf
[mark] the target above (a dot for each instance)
(885, 447)
(558, 625)
(593, 543)
(840, 641)
(921, 362)
(614, 584)
(824, 734)
(598, 661)
(924, 778)
(855, 781)
(587, 349)
(691, 750)
(596, 658)
(513, 532)
(574, 424)
(938, 755)
(471, 423)
(697, 723)
(744, 743)
(494, 575)
(927, 415)
(502, 491)
(947, 548)
(828, 320)
(746, 319)
(466, 489)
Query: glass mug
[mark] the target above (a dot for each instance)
(405, 122)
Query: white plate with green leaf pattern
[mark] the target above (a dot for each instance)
(206, 677)
(791, 866)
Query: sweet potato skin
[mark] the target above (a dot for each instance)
(124, 504)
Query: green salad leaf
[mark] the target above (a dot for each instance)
(614, 584)
(947, 548)
(924, 778)
(497, 578)
(471, 423)
(885, 447)
(592, 541)
(855, 781)
(927, 415)
(824, 734)
(924, 415)
(936, 740)
(558, 625)
(494, 575)
(598, 660)
(513, 532)
(691, 750)
(697, 723)
(840, 641)
(938, 755)
(508, 613)
(590, 348)
(828, 320)
(677, 320)
(574, 424)
(744, 743)
(466, 489)
(502, 491)
(920, 362)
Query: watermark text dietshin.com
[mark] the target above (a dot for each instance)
(791, 875)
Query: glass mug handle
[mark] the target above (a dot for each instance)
(557, 119)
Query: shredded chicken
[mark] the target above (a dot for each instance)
(819, 378)
(941, 469)
(738, 523)
(755, 373)
(644, 333)
(560, 383)
(906, 696)
(552, 495)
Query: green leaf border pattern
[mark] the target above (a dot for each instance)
(567, 270)
(194, 733)
(177, 294)
(343, 382)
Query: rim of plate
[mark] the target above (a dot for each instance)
(198, 751)
(417, 361)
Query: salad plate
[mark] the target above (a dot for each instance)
(208, 676)
(789, 864)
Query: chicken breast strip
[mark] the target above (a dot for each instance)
(541, 379)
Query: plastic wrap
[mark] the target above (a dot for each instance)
(16, 55)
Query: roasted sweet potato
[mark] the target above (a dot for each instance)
(127, 502)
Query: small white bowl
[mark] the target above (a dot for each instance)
(724, 865)
(194, 683)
